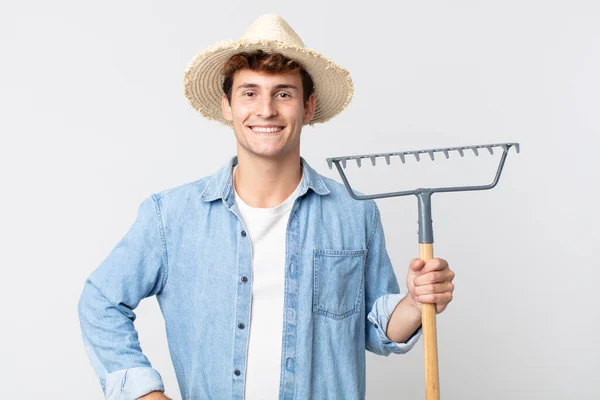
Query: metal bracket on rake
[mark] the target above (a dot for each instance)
(423, 194)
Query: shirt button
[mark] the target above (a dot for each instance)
(375, 326)
(244, 279)
(241, 326)
(237, 372)
(244, 233)
(290, 364)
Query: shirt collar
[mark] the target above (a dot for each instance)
(220, 185)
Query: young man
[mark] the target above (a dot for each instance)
(271, 279)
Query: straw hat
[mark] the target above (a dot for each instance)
(271, 33)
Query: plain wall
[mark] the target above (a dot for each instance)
(94, 119)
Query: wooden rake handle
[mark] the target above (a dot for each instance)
(432, 380)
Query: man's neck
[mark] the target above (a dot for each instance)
(264, 182)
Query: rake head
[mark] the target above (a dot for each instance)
(341, 163)
(416, 153)
(423, 195)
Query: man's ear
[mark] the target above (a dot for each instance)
(226, 108)
(309, 108)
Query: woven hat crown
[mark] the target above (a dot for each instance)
(272, 27)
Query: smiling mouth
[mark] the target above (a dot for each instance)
(266, 129)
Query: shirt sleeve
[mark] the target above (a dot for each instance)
(135, 268)
(382, 294)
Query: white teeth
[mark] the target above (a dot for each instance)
(267, 130)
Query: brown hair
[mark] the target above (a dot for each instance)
(265, 62)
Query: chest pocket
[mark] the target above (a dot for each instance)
(338, 282)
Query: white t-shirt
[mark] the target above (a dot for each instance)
(266, 228)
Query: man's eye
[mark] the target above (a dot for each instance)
(283, 95)
(249, 94)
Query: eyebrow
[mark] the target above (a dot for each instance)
(254, 85)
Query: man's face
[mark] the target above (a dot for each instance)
(267, 111)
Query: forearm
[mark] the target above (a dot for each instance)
(112, 344)
(108, 332)
(405, 320)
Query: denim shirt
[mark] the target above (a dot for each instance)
(188, 247)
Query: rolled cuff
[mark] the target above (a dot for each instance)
(380, 316)
(132, 383)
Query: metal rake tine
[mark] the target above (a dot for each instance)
(387, 159)
(518, 147)
(461, 152)
(446, 153)
(474, 148)
(373, 160)
(490, 149)
(358, 162)
(402, 157)
(431, 155)
(416, 154)
(343, 163)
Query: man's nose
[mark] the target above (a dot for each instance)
(267, 109)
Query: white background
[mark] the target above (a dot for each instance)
(93, 120)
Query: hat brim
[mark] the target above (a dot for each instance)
(203, 80)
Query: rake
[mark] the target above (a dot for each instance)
(432, 390)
